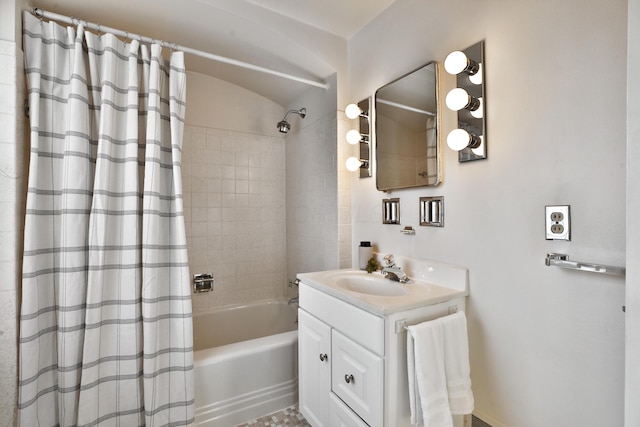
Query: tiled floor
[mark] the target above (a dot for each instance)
(288, 417)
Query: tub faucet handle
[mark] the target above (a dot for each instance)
(202, 282)
(294, 282)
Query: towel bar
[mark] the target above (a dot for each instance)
(562, 260)
(401, 325)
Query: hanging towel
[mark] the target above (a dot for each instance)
(438, 368)
(456, 363)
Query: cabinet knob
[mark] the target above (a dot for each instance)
(323, 357)
(348, 378)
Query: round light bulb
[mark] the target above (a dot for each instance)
(479, 151)
(353, 137)
(353, 164)
(476, 78)
(478, 112)
(352, 111)
(458, 139)
(457, 99)
(456, 62)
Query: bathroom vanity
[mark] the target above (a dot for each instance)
(352, 340)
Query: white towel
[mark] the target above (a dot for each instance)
(439, 374)
(456, 363)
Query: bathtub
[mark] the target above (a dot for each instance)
(245, 362)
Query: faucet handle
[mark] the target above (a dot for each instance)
(388, 258)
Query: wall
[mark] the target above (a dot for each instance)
(547, 345)
(261, 206)
(317, 229)
(13, 169)
(632, 330)
(234, 192)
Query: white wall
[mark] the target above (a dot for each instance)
(313, 211)
(547, 345)
(13, 169)
(632, 361)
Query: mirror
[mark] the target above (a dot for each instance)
(407, 147)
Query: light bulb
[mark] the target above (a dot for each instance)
(476, 78)
(353, 164)
(456, 62)
(352, 111)
(478, 112)
(457, 99)
(353, 137)
(458, 139)
(479, 151)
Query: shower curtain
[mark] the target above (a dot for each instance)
(105, 322)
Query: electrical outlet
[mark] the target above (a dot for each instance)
(557, 223)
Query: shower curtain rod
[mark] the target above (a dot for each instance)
(102, 28)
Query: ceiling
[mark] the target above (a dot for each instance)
(343, 18)
(290, 36)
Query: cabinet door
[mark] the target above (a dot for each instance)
(341, 415)
(314, 369)
(357, 378)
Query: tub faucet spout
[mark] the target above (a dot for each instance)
(293, 300)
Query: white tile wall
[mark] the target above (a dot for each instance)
(234, 194)
(12, 190)
(312, 199)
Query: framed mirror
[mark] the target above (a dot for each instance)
(406, 138)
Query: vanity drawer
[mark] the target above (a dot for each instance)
(357, 377)
(363, 327)
(340, 415)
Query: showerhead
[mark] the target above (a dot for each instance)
(284, 126)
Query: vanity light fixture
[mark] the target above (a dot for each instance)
(353, 111)
(468, 100)
(458, 99)
(354, 136)
(458, 62)
(459, 139)
(478, 113)
(360, 136)
(353, 164)
(476, 78)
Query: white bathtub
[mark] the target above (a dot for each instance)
(245, 362)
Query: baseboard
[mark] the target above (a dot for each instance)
(487, 419)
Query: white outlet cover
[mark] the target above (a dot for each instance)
(565, 222)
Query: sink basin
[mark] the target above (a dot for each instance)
(431, 283)
(371, 285)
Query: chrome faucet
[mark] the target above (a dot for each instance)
(392, 271)
(293, 300)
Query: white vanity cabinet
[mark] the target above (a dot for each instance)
(330, 364)
(314, 365)
(352, 361)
